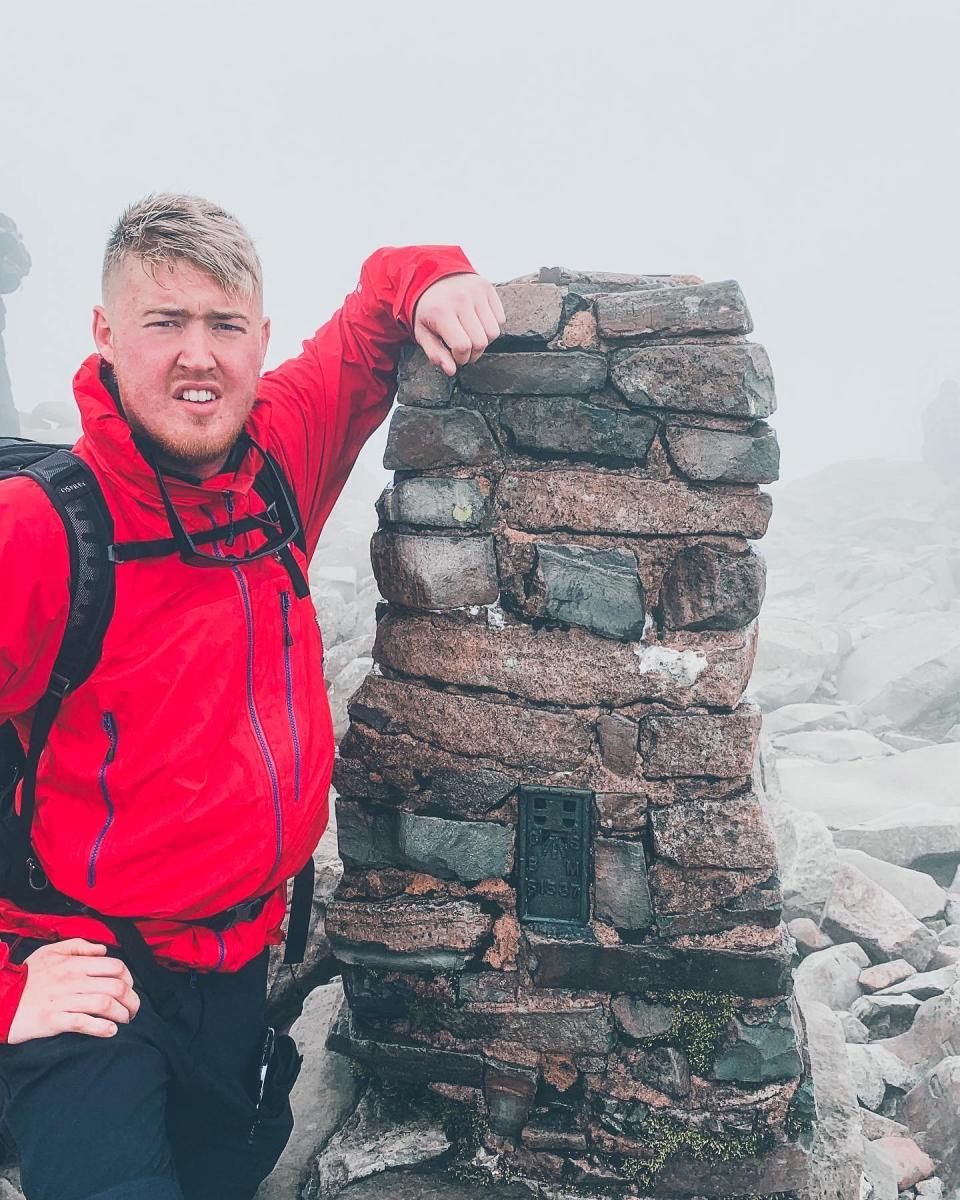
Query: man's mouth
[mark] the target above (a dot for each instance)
(196, 395)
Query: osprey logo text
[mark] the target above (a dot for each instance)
(74, 487)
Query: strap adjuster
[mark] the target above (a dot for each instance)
(59, 685)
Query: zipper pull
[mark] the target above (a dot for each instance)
(228, 501)
(285, 608)
(110, 729)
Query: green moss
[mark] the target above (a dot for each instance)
(665, 1136)
(700, 1025)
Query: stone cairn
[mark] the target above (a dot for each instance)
(560, 911)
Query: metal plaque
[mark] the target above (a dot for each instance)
(554, 854)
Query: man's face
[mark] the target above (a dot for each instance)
(186, 355)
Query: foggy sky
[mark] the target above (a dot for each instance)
(808, 149)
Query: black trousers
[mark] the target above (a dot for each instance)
(162, 1110)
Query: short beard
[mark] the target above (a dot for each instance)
(187, 453)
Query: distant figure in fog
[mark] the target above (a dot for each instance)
(14, 264)
(941, 431)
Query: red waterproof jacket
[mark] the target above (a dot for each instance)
(190, 772)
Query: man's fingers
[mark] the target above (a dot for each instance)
(491, 326)
(77, 946)
(78, 1022)
(436, 351)
(115, 988)
(105, 968)
(473, 328)
(497, 305)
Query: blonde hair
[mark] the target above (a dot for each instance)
(164, 227)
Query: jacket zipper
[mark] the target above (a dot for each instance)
(110, 729)
(251, 705)
(288, 673)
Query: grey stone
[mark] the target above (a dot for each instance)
(853, 1030)
(934, 1032)
(832, 976)
(641, 1020)
(565, 425)
(532, 310)
(380, 1135)
(664, 1067)
(721, 744)
(876, 1126)
(915, 890)
(808, 935)
(932, 1108)
(733, 380)
(434, 572)
(671, 311)
(880, 1178)
(706, 588)
(407, 933)
(467, 850)
(875, 1068)
(923, 985)
(885, 1016)
(509, 1092)
(470, 791)
(908, 837)
(598, 589)
(393, 1060)
(566, 1026)
(323, 1096)
(861, 910)
(837, 1153)
(763, 1052)
(722, 455)
(435, 503)
(622, 895)
(423, 439)
(930, 1189)
(617, 736)
(636, 969)
(536, 373)
(429, 962)
(420, 382)
(474, 725)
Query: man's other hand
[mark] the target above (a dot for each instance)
(455, 320)
(73, 986)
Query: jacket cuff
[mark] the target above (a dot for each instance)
(397, 276)
(13, 979)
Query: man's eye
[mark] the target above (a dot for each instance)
(160, 324)
(227, 325)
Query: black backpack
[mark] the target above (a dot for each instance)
(75, 494)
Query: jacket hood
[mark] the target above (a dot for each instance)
(108, 440)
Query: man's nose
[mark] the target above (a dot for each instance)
(196, 348)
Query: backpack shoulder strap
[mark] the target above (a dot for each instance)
(264, 486)
(75, 494)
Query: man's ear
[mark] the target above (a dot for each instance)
(102, 333)
(264, 340)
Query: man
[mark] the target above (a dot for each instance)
(189, 774)
(14, 264)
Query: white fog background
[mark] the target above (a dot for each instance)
(808, 149)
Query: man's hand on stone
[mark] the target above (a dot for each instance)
(455, 320)
(73, 986)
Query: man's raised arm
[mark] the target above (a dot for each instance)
(329, 399)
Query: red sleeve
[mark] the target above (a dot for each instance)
(13, 979)
(35, 600)
(328, 400)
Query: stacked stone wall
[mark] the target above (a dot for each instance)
(571, 604)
